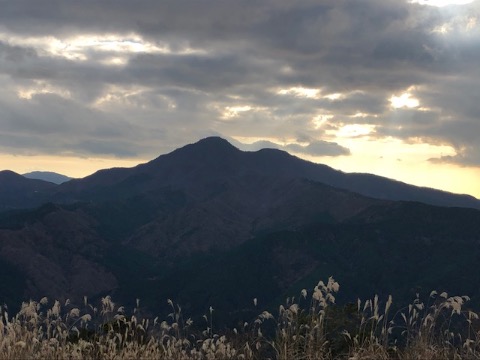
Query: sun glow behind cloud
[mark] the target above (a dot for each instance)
(354, 130)
(410, 163)
(405, 100)
(42, 87)
(80, 48)
(300, 92)
(234, 111)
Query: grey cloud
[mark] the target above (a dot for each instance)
(50, 124)
(314, 148)
(16, 54)
(466, 156)
(257, 145)
(410, 123)
(319, 148)
(358, 102)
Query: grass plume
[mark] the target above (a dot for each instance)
(310, 327)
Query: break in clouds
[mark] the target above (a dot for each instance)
(138, 78)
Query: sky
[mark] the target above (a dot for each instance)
(388, 87)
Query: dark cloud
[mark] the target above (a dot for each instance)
(217, 67)
(319, 148)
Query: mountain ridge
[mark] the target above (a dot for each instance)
(215, 157)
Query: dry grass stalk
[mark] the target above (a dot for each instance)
(42, 330)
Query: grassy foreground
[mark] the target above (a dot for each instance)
(312, 327)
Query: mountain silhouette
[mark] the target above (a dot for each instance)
(17, 191)
(213, 160)
(208, 224)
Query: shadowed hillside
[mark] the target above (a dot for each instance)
(17, 191)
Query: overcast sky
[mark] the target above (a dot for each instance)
(382, 86)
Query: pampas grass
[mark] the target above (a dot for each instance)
(311, 328)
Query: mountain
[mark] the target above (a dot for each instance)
(17, 191)
(214, 160)
(48, 176)
(209, 224)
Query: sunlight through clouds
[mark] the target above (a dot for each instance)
(354, 130)
(405, 100)
(80, 47)
(300, 92)
(334, 96)
(320, 120)
(42, 87)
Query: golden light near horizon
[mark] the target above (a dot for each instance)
(75, 167)
(392, 158)
(409, 163)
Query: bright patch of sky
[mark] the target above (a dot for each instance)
(354, 130)
(234, 111)
(80, 48)
(406, 162)
(300, 92)
(405, 100)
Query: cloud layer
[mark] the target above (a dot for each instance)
(125, 79)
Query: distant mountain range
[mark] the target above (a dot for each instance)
(209, 224)
(47, 176)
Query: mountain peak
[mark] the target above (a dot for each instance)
(8, 173)
(214, 143)
(212, 148)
